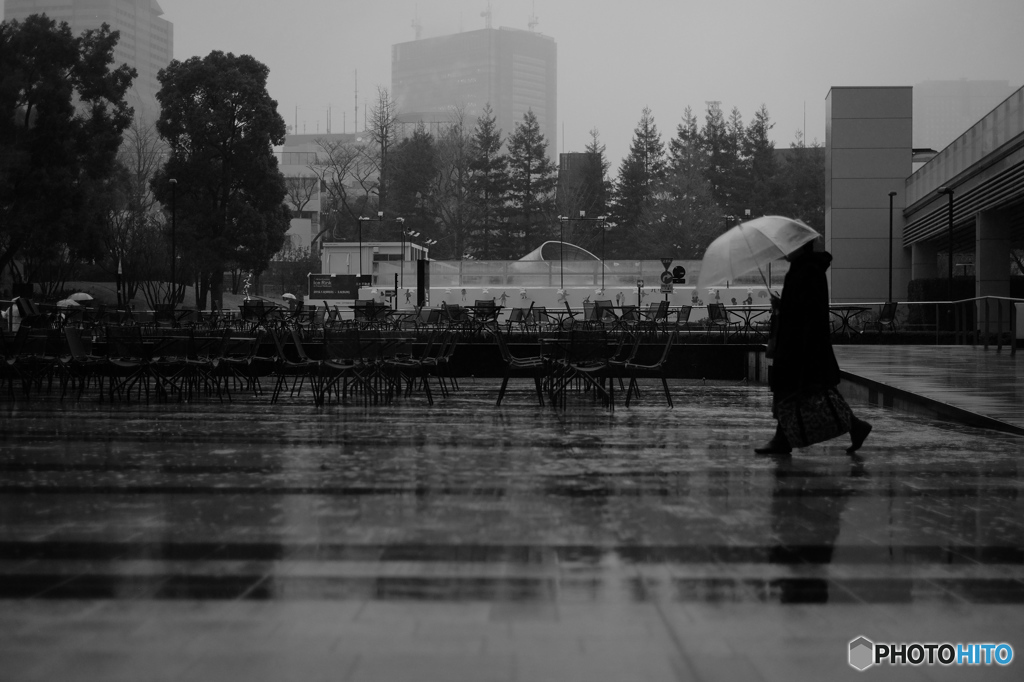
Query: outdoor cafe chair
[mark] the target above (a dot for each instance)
(657, 369)
(538, 320)
(628, 319)
(683, 318)
(656, 313)
(246, 367)
(79, 367)
(887, 317)
(585, 363)
(438, 363)
(455, 316)
(536, 368)
(718, 318)
(299, 366)
(32, 357)
(346, 361)
(520, 318)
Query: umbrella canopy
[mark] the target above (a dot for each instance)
(68, 303)
(79, 296)
(750, 245)
(289, 297)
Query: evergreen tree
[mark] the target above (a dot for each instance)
(737, 178)
(488, 185)
(718, 153)
(804, 179)
(765, 188)
(596, 176)
(221, 126)
(531, 196)
(584, 190)
(414, 165)
(685, 216)
(62, 115)
(638, 173)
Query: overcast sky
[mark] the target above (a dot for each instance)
(615, 57)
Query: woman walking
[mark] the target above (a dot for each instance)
(804, 372)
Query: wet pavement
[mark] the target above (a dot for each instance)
(249, 541)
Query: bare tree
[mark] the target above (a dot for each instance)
(450, 198)
(383, 131)
(348, 176)
(136, 223)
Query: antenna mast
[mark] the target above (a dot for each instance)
(532, 23)
(355, 121)
(487, 15)
(417, 25)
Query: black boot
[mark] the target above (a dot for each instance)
(778, 445)
(859, 431)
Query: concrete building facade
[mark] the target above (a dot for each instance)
(146, 44)
(966, 199)
(868, 154)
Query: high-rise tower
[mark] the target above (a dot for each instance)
(147, 40)
(512, 69)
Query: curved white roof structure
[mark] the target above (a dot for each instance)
(555, 250)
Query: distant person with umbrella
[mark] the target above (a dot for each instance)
(804, 374)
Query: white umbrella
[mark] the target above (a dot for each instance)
(79, 296)
(750, 245)
(68, 303)
(289, 297)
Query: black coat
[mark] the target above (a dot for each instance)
(803, 357)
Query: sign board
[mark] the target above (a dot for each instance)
(639, 284)
(666, 288)
(666, 262)
(333, 286)
(666, 277)
(679, 274)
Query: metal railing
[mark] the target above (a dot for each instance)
(984, 319)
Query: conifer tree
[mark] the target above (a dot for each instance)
(764, 189)
(685, 215)
(531, 196)
(638, 173)
(488, 184)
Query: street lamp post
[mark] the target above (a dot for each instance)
(561, 251)
(405, 233)
(604, 254)
(174, 208)
(401, 256)
(948, 191)
(360, 220)
(891, 195)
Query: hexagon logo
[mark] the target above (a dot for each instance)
(862, 653)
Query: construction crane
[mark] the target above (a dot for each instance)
(417, 26)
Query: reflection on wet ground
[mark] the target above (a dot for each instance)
(512, 543)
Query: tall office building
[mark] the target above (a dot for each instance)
(147, 40)
(944, 110)
(511, 69)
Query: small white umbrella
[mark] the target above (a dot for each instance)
(68, 303)
(79, 296)
(289, 297)
(750, 245)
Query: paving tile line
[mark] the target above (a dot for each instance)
(670, 630)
